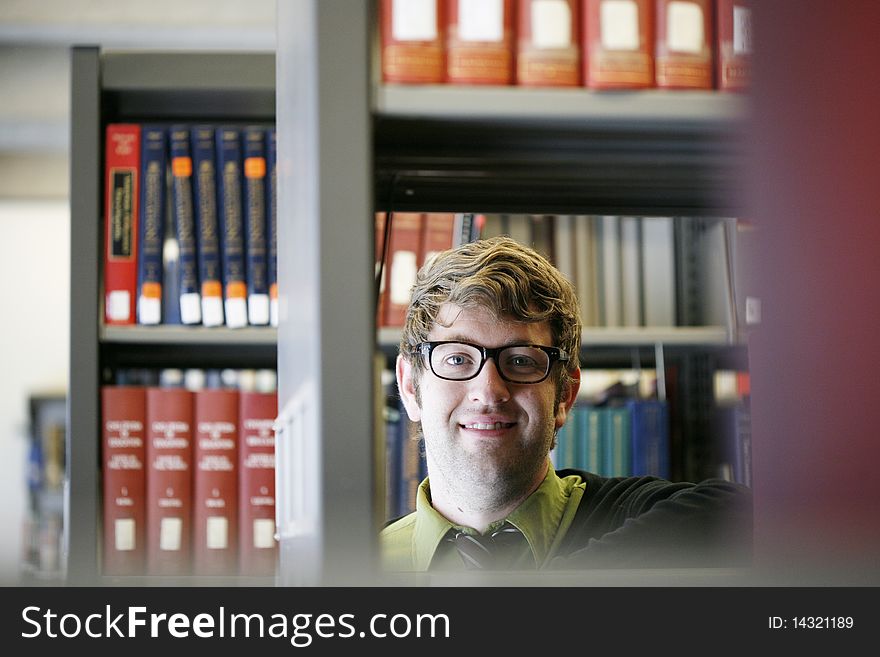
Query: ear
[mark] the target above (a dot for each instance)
(407, 390)
(569, 395)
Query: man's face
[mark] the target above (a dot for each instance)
(485, 436)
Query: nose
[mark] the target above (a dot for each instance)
(488, 387)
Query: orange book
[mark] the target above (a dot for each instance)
(412, 41)
(618, 50)
(404, 256)
(684, 55)
(169, 480)
(479, 42)
(548, 51)
(215, 482)
(734, 50)
(121, 194)
(123, 418)
(256, 494)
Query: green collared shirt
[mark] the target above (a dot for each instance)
(415, 542)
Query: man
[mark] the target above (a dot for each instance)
(489, 367)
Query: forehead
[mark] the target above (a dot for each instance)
(481, 326)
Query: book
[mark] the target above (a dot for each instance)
(616, 450)
(404, 254)
(684, 54)
(215, 482)
(593, 425)
(170, 261)
(563, 246)
(256, 493)
(150, 268)
(256, 247)
(548, 49)
(631, 270)
(123, 455)
(520, 226)
(658, 271)
(231, 220)
(479, 42)
(437, 235)
(734, 45)
(189, 301)
(272, 222)
(169, 480)
(608, 247)
(121, 165)
(208, 241)
(586, 275)
(649, 442)
(618, 44)
(412, 41)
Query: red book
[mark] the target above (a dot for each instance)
(411, 33)
(123, 418)
(404, 256)
(734, 53)
(215, 482)
(618, 51)
(684, 53)
(121, 166)
(548, 51)
(257, 546)
(169, 480)
(479, 42)
(437, 235)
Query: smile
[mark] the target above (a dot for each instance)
(479, 426)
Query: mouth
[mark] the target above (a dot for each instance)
(487, 426)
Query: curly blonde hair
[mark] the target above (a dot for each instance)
(511, 280)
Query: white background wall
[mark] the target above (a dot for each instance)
(34, 332)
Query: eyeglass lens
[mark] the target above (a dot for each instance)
(458, 361)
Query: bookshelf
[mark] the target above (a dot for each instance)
(445, 149)
(138, 87)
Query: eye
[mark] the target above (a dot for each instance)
(455, 360)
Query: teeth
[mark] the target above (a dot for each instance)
(486, 427)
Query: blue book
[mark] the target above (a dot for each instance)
(616, 441)
(154, 164)
(208, 242)
(592, 445)
(649, 421)
(184, 221)
(272, 223)
(231, 218)
(256, 247)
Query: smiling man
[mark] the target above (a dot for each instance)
(489, 369)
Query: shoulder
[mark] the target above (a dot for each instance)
(396, 542)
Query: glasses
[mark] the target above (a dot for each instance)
(460, 361)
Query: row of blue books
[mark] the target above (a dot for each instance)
(619, 439)
(207, 249)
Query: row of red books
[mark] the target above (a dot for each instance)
(188, 481)
(599, 44)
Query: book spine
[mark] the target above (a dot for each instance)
(254, 152)
(205, 205)
(658, 271)
(154, 165)
(437, 235)
(122, 162)
(123, 418)
(618, 44)
(479, 42)
(548, 51)
(215, 486)
(272, 222)
(412, 41)
(684, 55)
(649, 428)
(734, 46)
(184, 220)
(631, 270)
(403, 258)
(169, 480)
(257, 546)
(229, 181)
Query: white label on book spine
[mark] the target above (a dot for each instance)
(149, 311)
(480, 20)
(414, 20)
(170, 532)
(212, 311)
(684, 27)
(191, 308)
(619, 25)
(236, 313)
(123, 533)
(258, 309)
(217, 533)
(403, 275)
(551, 24)
(264, 533)
(742, 30)
(118, 307)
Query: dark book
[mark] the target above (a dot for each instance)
(256, 246)
(649, 428)
(272, 222)
(189, 301)
(231, 221)
(205, 207)
(150, 269)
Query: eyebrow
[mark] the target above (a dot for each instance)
(510, 343)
